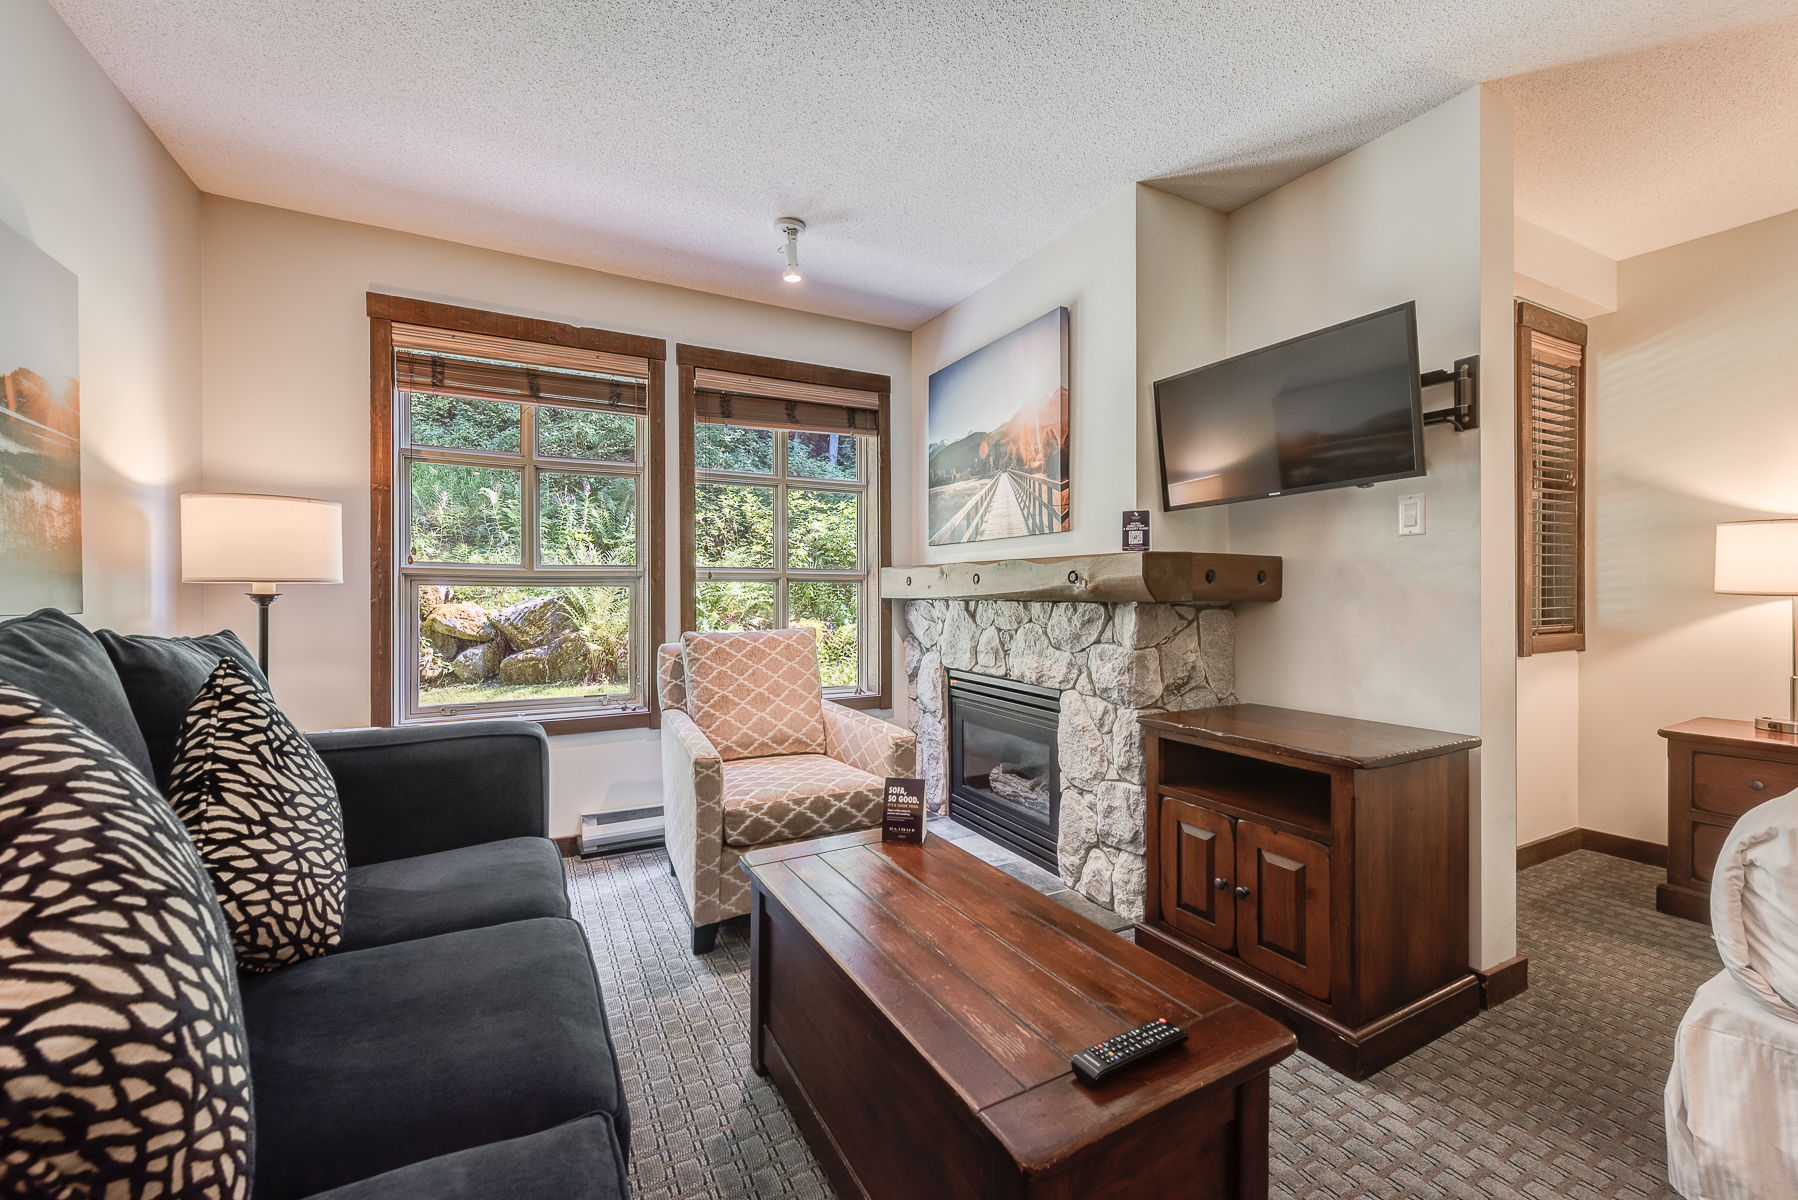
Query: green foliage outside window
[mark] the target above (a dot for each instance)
(465, 514)
(458, 424)
(734, 527)
(587, 520)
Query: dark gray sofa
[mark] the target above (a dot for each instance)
(455, 1045)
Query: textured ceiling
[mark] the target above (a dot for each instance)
(1637, 151)
(929, 144)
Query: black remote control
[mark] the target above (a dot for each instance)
(1096, 1062)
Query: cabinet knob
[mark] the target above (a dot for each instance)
(1242, 893)
(1220, 883)
(1758, 786)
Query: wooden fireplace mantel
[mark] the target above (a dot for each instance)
(1150, 577)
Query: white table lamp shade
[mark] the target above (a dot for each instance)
(1758, 558)
(236, 538)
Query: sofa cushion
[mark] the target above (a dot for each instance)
(470, 888)
(770, 800)
(260, 805)
(756, 694)
(54, 657)
(124, 1067)
(162, 675)
(388, 1056)
(576, 1161)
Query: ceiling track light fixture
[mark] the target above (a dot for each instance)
(791, 227)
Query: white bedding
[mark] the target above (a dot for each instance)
(1732, 1097)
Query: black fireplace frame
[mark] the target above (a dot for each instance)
(1022, 709)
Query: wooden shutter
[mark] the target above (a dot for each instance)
(1551, 484)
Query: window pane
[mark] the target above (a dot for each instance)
(733, 448)
(724, 607)
(464, 514)
(483, 644)
(458, 424)
(821, 530)
(831, 609)
(823, 455)
(587, 520)
(578, 433)
(733, 526)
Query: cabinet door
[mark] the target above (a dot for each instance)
(1283, 907)
(1198, 859)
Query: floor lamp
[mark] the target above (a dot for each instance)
(264, 541)
(1760, 558)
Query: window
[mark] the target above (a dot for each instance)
(1551, 491)
(516, 517)
(784, 500)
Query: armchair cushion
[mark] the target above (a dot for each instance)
(793, 796)
(869, 743)
(756, 694)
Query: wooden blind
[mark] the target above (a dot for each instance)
(726, 398)
(485, 367)
(1551, 494)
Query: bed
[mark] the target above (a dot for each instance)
(1732, 1096)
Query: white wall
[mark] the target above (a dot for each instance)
(285, 358)
(1558, 273)
(1091, 269)
(1373, 625)
(1548, 737)
(1693, 421)
(1181, 300)
(83, 179)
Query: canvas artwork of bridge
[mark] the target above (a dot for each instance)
(40, 431)
(998, 428)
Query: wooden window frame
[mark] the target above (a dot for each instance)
(385, 311)
(1530, 640)
(689, 360)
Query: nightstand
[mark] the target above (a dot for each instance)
(1716, 771)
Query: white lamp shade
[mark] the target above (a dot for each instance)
(234, 538)
(1758, 558)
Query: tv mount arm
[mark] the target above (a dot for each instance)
(1464, 413)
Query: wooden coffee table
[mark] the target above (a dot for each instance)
(917, 1008)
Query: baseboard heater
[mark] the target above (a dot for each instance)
(616, 832)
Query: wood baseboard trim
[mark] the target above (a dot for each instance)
(1543, 849)
(1616, 846)
(1567, 841)
(1508, 980)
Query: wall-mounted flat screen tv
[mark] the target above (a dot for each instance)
(1334, 408)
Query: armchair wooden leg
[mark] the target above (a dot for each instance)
(705, 937)
(672, 873)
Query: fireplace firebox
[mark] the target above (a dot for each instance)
(1004, 779)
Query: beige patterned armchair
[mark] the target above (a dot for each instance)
(753, 755)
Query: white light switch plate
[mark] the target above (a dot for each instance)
(1412, 519)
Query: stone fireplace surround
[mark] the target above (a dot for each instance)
(1112, 663)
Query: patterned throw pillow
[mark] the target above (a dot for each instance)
(756, 694)
(262, 808)
(123, 1065)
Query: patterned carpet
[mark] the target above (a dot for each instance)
(1554, 1096)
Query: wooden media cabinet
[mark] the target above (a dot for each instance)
(1315, 867)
